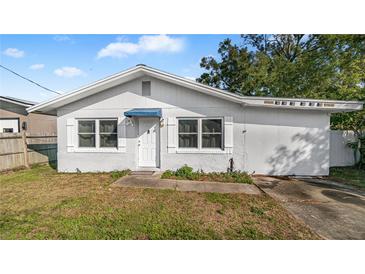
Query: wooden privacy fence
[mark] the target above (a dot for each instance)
(23, 150)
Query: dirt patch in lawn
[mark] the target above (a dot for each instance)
(43, 204)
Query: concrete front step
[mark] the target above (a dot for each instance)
(185, 185)
(142, 172)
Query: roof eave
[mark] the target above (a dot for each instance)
(15, 102)
(135, 72)
(330, 106)
(96, 86)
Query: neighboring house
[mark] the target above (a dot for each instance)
(146, 119)
(14, 118)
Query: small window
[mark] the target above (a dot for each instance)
(188, 133)
(8, 130)
(146, 88)
(108, 133)
(212, 133)
(87, 133)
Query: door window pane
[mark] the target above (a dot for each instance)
(8, 130)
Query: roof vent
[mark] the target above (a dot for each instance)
(302, 104)
(311, 104)
(292, 103)
(146, 88)
(140, 65)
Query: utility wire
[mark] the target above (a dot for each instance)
(25, 78)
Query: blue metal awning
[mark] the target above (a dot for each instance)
(143, 112)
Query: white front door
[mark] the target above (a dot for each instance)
(148, 142)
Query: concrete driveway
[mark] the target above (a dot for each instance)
(331, 209)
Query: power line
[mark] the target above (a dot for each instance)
(25, 78)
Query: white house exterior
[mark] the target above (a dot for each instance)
(174, 121)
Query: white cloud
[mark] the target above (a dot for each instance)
(121, 38)
(61, 38)
(14, 52)
(146, 43)
(68, 72)
(160, 43)
(118, 50)
(37, 66)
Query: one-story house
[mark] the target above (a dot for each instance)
(147, 119)
(14, 118)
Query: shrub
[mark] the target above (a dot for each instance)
(184, 172)
(187, 173)
(168, 174)
(116, 174)
(241, 177)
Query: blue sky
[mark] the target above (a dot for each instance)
(66, 62)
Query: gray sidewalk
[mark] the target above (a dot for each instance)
(144, 181)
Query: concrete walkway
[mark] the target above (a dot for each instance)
(154, 181)
(331, 209)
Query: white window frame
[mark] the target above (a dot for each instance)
(97, 147)
(78, 133)
(200, 149)
(101, 133)
(221, 133)
(178, 133)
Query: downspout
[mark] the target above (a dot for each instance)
(244, 156)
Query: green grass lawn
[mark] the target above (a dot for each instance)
(42, 204)
(349, 175)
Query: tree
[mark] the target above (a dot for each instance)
(294, 66)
